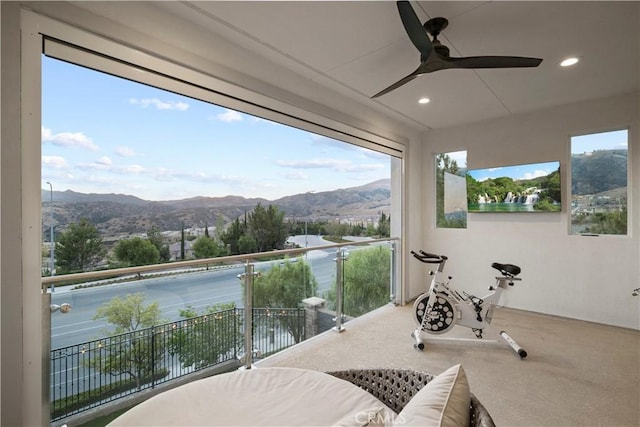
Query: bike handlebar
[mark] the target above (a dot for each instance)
(429, 258)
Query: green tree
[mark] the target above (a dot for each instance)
(446, 163)
(371, 230)
(336, 229)
(206, 247)
(137, 355)
(205, 337)
(232, 235)
(267, 227)
(78, 248)
(136, 251)
(247, 245)
(367, 273)
(474, 189)
(551, 184)
(155, 236)
(608, 223)
(546, 204)
(285, 286)
(384, 225)
(218, 231)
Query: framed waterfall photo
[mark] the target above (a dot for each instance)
(533, 187)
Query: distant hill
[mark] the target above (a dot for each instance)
(119, 214)
(74, 197)
(598, 172)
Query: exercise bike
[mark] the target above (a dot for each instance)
(439, 309)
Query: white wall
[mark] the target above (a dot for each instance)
(11, 277)
(589, 278)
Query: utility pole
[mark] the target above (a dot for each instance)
(53, 245)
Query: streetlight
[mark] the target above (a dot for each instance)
(52, 263)
(306, 219)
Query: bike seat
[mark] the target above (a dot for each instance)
(508, 270)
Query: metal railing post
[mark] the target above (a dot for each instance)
(340, 258)
(392, 278)
(46, 351)
(248, 315)
(153, 356)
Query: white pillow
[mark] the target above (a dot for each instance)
(444, 401)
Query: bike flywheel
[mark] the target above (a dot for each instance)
(440, 319)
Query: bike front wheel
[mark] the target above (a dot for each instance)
(440, 318)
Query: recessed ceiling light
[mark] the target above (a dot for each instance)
(423, 101)
(569, 61)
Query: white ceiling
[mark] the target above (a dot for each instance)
(359, 48)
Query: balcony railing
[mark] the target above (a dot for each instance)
(93, 373)
(90, 374)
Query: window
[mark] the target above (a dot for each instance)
(451, 190)
(136, 175)
(124, 161)
(96, 146)
(599, 165)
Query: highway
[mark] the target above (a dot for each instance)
(198, 289)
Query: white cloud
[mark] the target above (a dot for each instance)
(165, 174)
(160, 105)
(125, 151)
(335, 164)
(229, 116)
(105, 161)
(131, 169)
(100, 164)
(260, 120)
(535, 174)
(106, 164)
(68, 139)
(329, 143)
(325, 141)
(366, 167)
(295, 175)
(55, 162)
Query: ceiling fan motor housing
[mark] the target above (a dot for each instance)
(434, 25)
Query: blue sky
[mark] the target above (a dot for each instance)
(102, 134)
(617, 139)
(516, 172)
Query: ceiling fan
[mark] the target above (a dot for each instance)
(434, 55)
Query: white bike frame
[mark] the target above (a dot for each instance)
(456, 308)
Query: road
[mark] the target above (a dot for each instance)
(198, 289)
(173, 293)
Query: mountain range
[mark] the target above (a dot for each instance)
(119, 214)
(599, 171)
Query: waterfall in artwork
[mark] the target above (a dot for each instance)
(528, 197)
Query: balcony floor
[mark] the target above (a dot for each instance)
(576, 373)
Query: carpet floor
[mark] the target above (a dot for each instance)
(576, 373)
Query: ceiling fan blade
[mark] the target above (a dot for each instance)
(494, 62)
(414, 29)
(400, 82)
